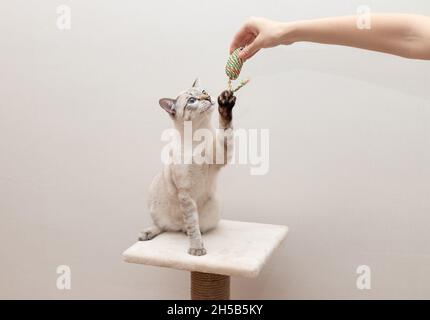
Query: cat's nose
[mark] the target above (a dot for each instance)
(205, 97)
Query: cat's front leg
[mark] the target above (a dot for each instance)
(226, 102)
(150, 233)
(225, 136)
(191, 220)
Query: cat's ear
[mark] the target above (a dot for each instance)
(168, 105)
(196, 83)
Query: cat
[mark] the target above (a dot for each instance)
(182, 197)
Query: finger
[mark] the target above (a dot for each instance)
(244, 36)
(253, 54)
(241, 40)
(250, 49)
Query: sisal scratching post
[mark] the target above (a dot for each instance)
(209, 286)
(234, 248)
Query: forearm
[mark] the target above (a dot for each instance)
(400, 34)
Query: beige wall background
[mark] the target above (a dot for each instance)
(80, 130)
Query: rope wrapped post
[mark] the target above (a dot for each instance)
(209, 286)
(234, 65)
(233, 68)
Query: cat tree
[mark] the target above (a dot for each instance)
(234, 248)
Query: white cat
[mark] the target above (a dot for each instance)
(182, 197)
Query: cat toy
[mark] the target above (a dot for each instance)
(233, 68)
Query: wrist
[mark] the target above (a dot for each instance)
(294, 31)
(290, 32)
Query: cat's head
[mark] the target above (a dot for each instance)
(193, 104)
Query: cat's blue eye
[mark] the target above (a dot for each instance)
(191, 100)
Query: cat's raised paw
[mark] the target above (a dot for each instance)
(226, 99)
(197, 251)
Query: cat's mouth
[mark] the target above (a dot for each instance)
(208, 104)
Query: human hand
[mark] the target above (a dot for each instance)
(259, 33)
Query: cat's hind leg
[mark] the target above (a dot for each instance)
(150, 233)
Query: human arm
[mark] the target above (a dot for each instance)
(405, 35)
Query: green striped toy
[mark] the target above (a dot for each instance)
(234, 65)
(233, 68)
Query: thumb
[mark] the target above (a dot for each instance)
(250, 49)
